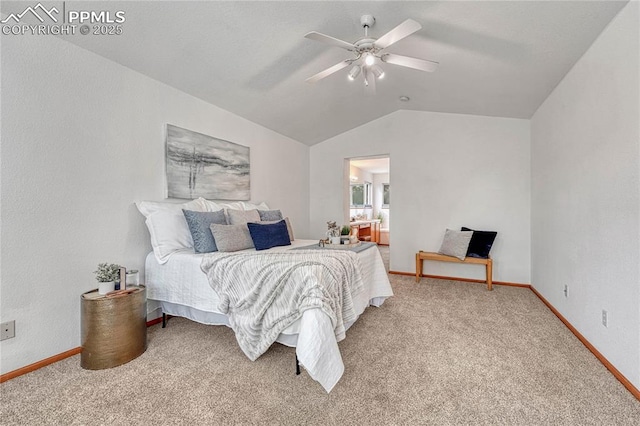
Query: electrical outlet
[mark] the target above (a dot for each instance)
(7, 330)
(605, 318)
(566, 290)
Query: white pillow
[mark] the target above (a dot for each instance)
(214, 206)
(235, 205)
(210, 206)
(167, 226)
(251, 206)
(148, 207)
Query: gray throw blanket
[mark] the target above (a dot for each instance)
(264, 293)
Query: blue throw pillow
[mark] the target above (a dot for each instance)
(265, 236)
(270, 215)
(199, 226)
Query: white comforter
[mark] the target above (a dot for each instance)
(180, 288)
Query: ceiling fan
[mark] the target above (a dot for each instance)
(370, 51)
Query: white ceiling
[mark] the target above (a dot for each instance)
(497, 58)
(372, 165)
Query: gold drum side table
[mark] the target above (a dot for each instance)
(114, 329)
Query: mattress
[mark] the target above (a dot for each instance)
(179, 287)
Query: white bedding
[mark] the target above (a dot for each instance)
(180, 288)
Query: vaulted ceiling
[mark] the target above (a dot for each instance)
(497, 58)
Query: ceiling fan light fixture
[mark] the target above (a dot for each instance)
(355, 72)
(378, 72)
(369, 59)
(369, 52)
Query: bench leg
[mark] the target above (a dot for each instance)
(418, 267)
(490, 275)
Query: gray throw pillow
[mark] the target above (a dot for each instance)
(455, 243)
(237, 217)
(270, 215)
(199, 223)
(232, 237)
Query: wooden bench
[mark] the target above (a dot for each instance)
(421, 256)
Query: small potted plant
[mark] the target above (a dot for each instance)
(107, 274)
(344, 234)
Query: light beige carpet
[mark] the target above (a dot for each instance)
(385, 253)
(440, 352)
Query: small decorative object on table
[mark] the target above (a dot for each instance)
(333, 232)
(123, 279)
(133, 277)
(354, 234)
(107, 274)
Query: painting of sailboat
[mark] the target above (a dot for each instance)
(198, 165)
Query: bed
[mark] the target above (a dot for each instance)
(179, 287)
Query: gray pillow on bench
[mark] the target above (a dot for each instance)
(456, 243)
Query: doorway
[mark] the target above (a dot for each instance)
(368, 200)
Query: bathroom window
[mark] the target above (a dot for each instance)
(385, 195)
(361, 194)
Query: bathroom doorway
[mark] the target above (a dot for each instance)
(368, 200)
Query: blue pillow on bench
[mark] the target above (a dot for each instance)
(481, 243)
(266, 236)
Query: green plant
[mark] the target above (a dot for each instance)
(380, 217)
(107, 272)
(346, 230)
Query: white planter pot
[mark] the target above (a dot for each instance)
(104, 288)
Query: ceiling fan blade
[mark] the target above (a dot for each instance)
(369, 82)
(322, 74)
(407, 61)
(330, 40)
(403, 30)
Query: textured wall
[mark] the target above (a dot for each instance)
(448, 170)
(586, 194)
(82, 140)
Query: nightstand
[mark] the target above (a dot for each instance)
(114, 329)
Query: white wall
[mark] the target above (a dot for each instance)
(448, 170)
(82, 140)
(358, 175)
(586, 194)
